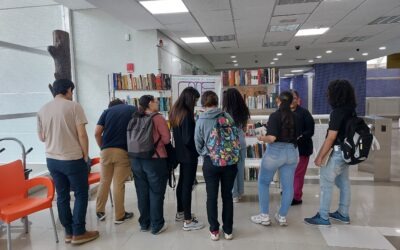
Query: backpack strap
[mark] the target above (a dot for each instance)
(159, 139)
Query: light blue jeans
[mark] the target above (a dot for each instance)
(282, 156)
(336, 172)
(238, 186)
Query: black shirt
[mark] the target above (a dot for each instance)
(306, 127)
(274, 127)
(115, 121)
(337, 122)
(184, 141)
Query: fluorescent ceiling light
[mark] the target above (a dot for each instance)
(311, 32)
(275, 59)
(351, 58)
(279, 54)
(234, 61)
(365, 54)
(164, 6)
(272, 63)
(318, 57)
(236, 64)
(382, 48)
(328, 51)
(283, 28)
(297, 71)
(233, 57)
(311, 61)
(199, 39)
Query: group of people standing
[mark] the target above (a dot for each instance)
(61, 125)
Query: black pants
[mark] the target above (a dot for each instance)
(187, 175)
(213, 175)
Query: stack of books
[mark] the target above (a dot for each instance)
(141, 82)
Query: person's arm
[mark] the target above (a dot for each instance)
(198, 138)
(309, 125)
(272, 129)
(40, 129)
(267, 138)
(83, 140)
(98, 134)
(162, 128)
(329, 140)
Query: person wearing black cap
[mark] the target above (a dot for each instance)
(61, 126)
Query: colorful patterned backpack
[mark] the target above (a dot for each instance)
(223, 143)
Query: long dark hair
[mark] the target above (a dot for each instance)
(341, 93)
(234, 104)
(287, 117)
(144, 102)
(184, 106)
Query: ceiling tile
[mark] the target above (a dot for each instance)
(223, 28)
(291, 9)
(183, 18)
(290, 19)
(279, 36)
(206, 5)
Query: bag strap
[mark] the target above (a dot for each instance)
(172, 179)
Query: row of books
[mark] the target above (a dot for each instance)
(164, 103)
(256, 151)
(261, 101)
(250, 77)
(251, 174)
(141, 82)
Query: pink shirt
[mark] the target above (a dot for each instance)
(161, 130)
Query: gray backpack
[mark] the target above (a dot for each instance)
(140, 137)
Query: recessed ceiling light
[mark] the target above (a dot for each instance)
(365, 54)
(199, 39)
(351, 58)
(318, 57)
(297, 71)
(275, 59)
(233, 57)
(279, 54)
(311, 32)
(164, 6)
(272, 63)
(382, 48)
(234, 61)
(236, 64)
(310, 61)
(328, 51)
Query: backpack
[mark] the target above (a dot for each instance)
(140, 137)
(357, 142)
(172, 164)
(223, 144)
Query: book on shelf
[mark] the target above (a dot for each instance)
(256, 150)
(251, 174)
(261, 100)
(141, 82)
(242, 77)
(164, 103)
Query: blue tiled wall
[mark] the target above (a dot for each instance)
(324, 73)
(383, 82)
(300, 83)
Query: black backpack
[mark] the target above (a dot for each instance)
(357, 142)
(140, 137)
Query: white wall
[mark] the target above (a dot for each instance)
(175, 60)
(101, 49)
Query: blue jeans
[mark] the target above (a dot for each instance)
(336, 172)
(282, 156)
(151, 176)
(71, 175)
(238, 186)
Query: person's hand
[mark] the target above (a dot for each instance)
(260, 138)
(318, 161)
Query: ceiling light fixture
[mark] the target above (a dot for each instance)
(382, 48)
(351, 58)
(164, 6)
(234, 61)
(279, 54)
(236, 64)
(297, 71)
(199, 39)
(311, 32)
(233, 57)
(272, 63)
(318, 57)
(275, 59)
(365, 54)
(289, 74)
(328, 51)
(311, 61)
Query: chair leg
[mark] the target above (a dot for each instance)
(26, 224)
(54, 224)
(8, 236)
(111, 199)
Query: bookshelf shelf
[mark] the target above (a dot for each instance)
(260, 86)
(254, 112)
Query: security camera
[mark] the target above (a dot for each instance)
(297, 47)
(256, 61)
(357, 49)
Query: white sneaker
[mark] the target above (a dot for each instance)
(262, 219)
(193, 225)
(180, 216)
(214, 235)
(281, 220)
(236, 199)
(228, 236)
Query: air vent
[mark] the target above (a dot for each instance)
(275, 44)
(288, 20)
(353, 39)
(386, 20)
(283, 28)
(284, 2)
(225, 38)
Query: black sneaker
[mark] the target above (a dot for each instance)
(296, 202)
(127, 216)
(101, 216)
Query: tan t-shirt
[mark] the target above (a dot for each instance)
(57, 120)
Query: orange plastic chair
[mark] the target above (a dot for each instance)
(14, 200)
(95, 177)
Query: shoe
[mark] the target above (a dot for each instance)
(127, 216)
(281, 220)
(193, 225)
(164, 227)
(144, 229)
(228, 236)
(296, 202)
(236, 199)
(317, 221)
(337, 216)
(86, 237)
(214, 235)
(261, 219)
(101, 216)
(180, 216)
(68, 238)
